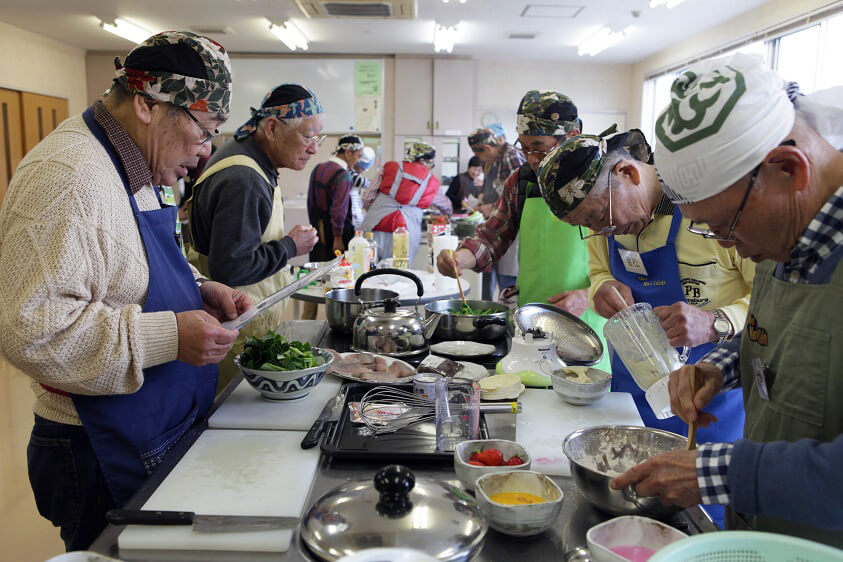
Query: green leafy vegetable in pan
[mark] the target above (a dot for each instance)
(274, 352)
(465, 310)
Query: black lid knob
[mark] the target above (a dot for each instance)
(394, 483)
(390, 306)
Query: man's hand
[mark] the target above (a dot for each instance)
(222, 302)
(201, 338)
(686, 324)
(459, 260)
(485, 209)
(709, 383)
(339, 245)
(574, 302)
(672, 476)
(305, 238)
(606, 301)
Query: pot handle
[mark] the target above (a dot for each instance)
(389, 271)
(497, 320)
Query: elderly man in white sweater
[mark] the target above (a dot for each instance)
(99, 307)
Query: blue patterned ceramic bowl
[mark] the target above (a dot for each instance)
(287, 385)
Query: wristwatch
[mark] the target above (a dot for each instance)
(201, 281)
(722, 326)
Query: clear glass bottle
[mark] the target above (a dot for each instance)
(358, 252)
(401, 248)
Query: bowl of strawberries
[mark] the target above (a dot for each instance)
(473, 459)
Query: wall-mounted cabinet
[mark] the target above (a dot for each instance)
(434, 96)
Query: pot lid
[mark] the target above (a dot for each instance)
(395, 510)
(390, 310)
(576, 342)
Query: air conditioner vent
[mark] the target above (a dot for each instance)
(212, 30)
(371, 10)
(392, 9)
(522, 35)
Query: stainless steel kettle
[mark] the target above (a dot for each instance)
(388, 329)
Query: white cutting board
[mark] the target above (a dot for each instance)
(546, 420)
(231, 472)
(246, 409)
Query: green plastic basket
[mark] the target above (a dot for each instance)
(746, 546)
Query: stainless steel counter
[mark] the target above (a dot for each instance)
(566, 534)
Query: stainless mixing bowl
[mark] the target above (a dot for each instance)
(599, 454)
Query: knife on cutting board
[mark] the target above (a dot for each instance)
(330, 413)
(201, 523)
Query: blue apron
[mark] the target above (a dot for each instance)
(662, 287)
(131, 433)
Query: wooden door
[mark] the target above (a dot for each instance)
(41, 114)
(11, 137)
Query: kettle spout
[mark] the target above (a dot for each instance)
(430, 323)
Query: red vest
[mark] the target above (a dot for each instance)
(411, 184)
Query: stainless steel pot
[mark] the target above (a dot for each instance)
(389, 330)
(481, 327)
(343, 306)
(394, 510)
(598, 454)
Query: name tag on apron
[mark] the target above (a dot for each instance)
(632, 261)
(760, 370)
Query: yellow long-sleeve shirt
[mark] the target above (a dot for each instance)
(712, 276)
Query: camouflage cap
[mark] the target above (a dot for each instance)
(419, 151)
(210, 93)
(568, 174)
(483, 136)
(294, 100)
(546, 113)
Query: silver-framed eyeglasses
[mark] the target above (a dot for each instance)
(529, 152)
(710, 234)
(606, 230)
(207, 136)
(315, 139)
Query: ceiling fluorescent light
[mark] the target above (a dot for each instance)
(665, 3)
(126, 30)
(461, 1)
(444, 37)
(603, 39)
(290, 35)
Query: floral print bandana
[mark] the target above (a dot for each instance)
(301, 108)
(546, 113)
(419, 151)
(211, 94)
(349, 144)
(568, 174)
(483, 137)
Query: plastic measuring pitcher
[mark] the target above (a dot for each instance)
(637, 336)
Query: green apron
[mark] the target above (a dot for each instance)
(794, 329)
(553, 258)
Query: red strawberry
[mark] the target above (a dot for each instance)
(491, 457)
(514, 460)
(473, 456)
(476, 463)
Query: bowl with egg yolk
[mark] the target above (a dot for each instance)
(519, 503)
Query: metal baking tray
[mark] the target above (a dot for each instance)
(416, 443)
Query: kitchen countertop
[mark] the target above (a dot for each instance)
(567, 533)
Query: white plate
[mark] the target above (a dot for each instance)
(462, 348)
(389, 360)
(388, 555)
(472, 371)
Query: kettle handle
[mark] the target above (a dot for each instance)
(389, 271)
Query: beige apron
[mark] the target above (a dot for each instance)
(270, 319)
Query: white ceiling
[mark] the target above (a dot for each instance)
(482, 31)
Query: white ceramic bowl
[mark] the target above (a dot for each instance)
(581, 393)
(468, 473)
(519, 520)
(629, 531)
(388, 555)
(278, 386)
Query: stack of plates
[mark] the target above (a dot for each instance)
(500, 387)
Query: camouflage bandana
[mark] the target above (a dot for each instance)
(546, 113)
(212, 95)
(419, 151)
(349, 144)
(482, 137)
(568, 174)
(302, 108)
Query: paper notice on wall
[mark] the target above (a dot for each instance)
(367, 113)
(368, 78)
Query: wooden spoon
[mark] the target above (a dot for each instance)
(692, 427)
(457, 273)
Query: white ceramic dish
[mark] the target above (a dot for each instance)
(472, 371)
(388, 555)
(573, 386)
(519, 520)
(462, 348)
(469, 473)
(629, 531)
(389, 361)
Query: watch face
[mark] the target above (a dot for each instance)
(721, 326)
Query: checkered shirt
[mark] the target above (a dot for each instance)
(494, 237)
(823, 235)
(137, 169)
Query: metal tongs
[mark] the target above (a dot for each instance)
(279, 295)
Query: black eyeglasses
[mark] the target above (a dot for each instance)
(606, 230)
(208, 136)
(528, 152)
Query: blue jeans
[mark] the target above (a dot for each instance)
(69, 487)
